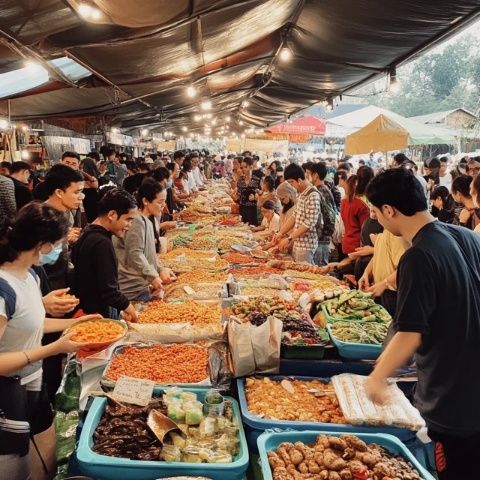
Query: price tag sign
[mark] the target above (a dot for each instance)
(133, 390)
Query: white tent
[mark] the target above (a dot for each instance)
(419, 134)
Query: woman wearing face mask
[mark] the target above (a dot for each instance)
(140, 275)
(34, 238)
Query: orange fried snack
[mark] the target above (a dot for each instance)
(188, 312)
(176, 363)
(93, 331)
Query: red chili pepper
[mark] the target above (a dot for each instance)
(361, 475)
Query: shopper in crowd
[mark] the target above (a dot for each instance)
(444, 176)
(64, 190)
(287, 195)
(140, 276)
(380, 275)
(103, 177)
(442, 263)
(247, 187)
(354, 209)
(20, 175)
(164, 221)
(29, 240)
(190, 186)
(475, 194)
(267, 193)
(399, 160)
(5, 168)
(117, 170)
(411, 165)
(270, 219)
(340, 182)
(90, 174)
(308, 217)
(196, 173)
(316, 173)
(432, 173)
(473, 167)
(94, 259)
(219, 170)
(257, 170)
(179, 193)
(443, 204)
(8, 206)
(179, 157)
(469, 216)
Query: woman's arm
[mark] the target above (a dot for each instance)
(12, 361)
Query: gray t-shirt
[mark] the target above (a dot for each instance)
(137, 258)
(25, 329)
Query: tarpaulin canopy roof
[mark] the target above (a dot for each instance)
(308, 125)
(419, 133)
(143, 55)
(380, 135)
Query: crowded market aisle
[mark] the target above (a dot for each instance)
(198, 301)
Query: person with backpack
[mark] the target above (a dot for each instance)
(30, 240)
(307, 223)
(316, 173)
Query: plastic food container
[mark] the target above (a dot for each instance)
(270, 441)
(109, 383)
(355, 351)
(258, 424)
(102, 467)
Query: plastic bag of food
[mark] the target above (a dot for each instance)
(175, 412)
(193, 412)
(170, 453)
(207, 427)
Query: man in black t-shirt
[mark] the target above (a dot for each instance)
(437, 319)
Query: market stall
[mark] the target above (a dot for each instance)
(191, 387)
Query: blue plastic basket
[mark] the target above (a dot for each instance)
(102, 467)
(260, 424)
(270, 441)
(355, 351)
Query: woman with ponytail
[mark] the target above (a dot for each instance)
(33, 238)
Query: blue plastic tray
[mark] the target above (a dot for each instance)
(102, 467)
(261, 424)
(270, 441)
(355, 351)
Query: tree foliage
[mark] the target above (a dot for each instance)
(441, 80)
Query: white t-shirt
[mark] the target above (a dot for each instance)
(446, 181)
(197, 177)
(25, 329)
(273, 225)
(192, 184)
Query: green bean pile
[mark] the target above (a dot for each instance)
(356, 305)
(372, 333)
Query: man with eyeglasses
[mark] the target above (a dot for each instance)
(473, 167)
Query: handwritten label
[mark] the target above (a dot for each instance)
(133, 390)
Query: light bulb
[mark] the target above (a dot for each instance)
(197, 117)
(145, 132)
(191, 91)
(206, 105)
(240, 122)
(24, 128)
(227, 119)
(245, 103)
(285, 54)
(3, 123)
(184, 129)
(85, 10)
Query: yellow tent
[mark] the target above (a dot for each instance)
(380, 135)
